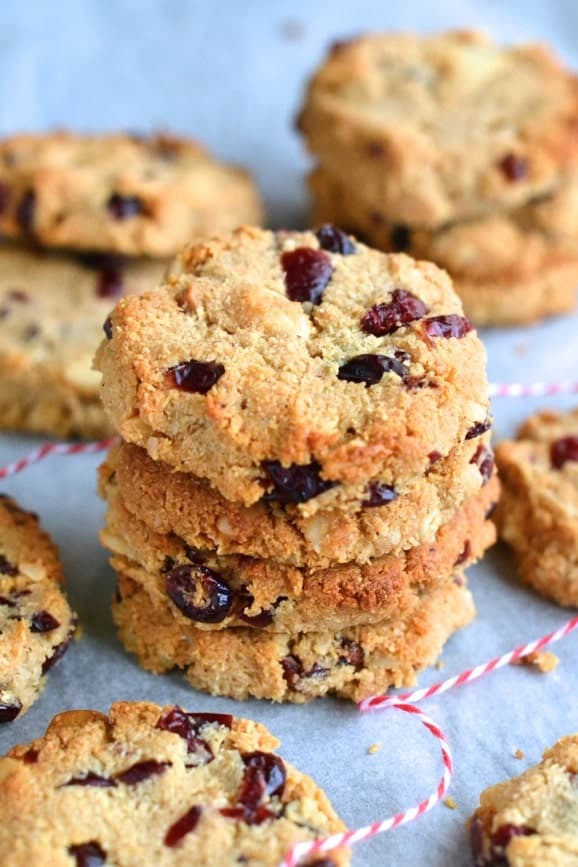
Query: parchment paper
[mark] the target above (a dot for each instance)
(232, 73)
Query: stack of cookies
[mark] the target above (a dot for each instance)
(458, 151)
(91, 218)
(305, 468)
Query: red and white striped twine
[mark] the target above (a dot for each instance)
(377, 702)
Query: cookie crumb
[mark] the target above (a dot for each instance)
(519, 754)
(373, 749)
(543, 660)
(440, 665)
(449, 802)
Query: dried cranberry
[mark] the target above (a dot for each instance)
(201, 719)
(376, 149)
(5, 194)
(484, 460)
(183, 826)
(270, 767)
(505, 833)
(562, 450)
(334, 240)
(168, 564)
(479, 428)
(369, 369)
(477, 841)
(297, 483)
(194, 555)
(352, 653)
(141, 771)
(264, 776)
(448, 326)
(187, 726)
(89, 854)
(107, 327)
(9, 710)
(307, 273)
(19, 296)
(6, 567)
(400, 238)
(9, 603)
(110, 284)
(196, 377)
(58, 653)
(91, 779)
(261, 620)
(434, 457)
(379, 494)
(26, 211)
(465, 555)
(30, 757)
(124, 207)
(403, 308)
(188, 586)
(43, 621)
(514, 168)
(292, 670)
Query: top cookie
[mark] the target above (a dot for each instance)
(532, 821)
(439, 128)
(300, 367)
(118, 193)
(147, 785)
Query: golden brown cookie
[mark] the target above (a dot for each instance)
(150, 785)
(36, 623)
(52, 309)
(538, 510)
(532, 820)
(352, 663)
(135, 195)
(441, 128)
(295, 367)
(216, 592)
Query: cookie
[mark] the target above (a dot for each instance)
(134, 195)
(352, 663)
(509, 268)
(275, 367)
(441, 128)
(157, 785)
(36, 623)
(532, 820)
(538, 510)
(217, 592)
(52, 309)
(179, 503)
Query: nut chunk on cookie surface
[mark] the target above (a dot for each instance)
(36, 623)
(157, 785)
(532, 820)
(269, 365)
(538, 511)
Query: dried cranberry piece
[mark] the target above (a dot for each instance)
(107, 328)
(403, 308)
(141, 771)
(506, 833)
(195, 377)
(194, 555)
(352, 654)
(110, 284)
(465, 555)
(6, 567)
(562, 450)
(124, 207)
(307, 273)
(448, 326)
(484, 460)
(188, 725)
(30, 757)
(169, 563)
(9, 603)
(20, 296)
(58, 653)
(270, 767)
(292, 670)
(91, 779)
(43, 621)
(185, 583)
(369, 369)
(297, 483)
(5, 194)
(201, 719)
(89, 854)
(9, 710)
(261, 620)
(334, 240)
(477, 841)
(26, 211)
(379, 494)
(479, 428)
(376, 149)
(434, 457)
(183, 826)
(264, 776)
(400, 239)
(514, 167)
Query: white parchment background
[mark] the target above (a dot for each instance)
(232, 73)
